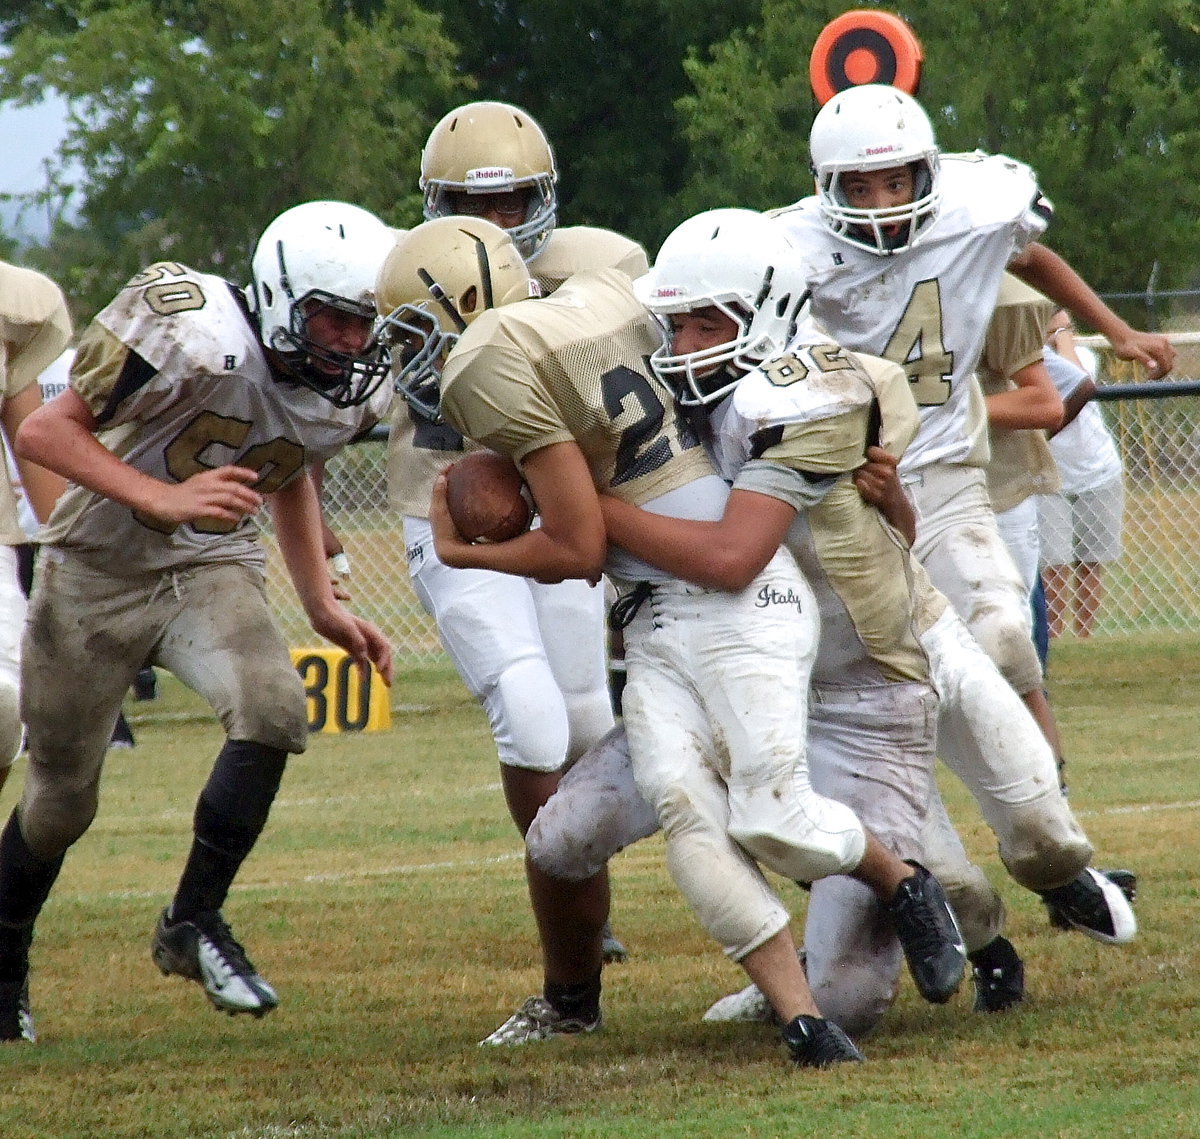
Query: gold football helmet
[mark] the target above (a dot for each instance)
(492, 148)
(436, 280)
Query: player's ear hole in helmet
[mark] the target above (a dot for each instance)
(439, 277)
(871, 130)
(312, 292)
(737, 263)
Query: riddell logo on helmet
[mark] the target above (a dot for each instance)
(489, 176)
(666, 291)
(872, 150)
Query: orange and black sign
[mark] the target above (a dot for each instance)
(865, 46)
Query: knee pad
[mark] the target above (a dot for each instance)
(976, 905)
(1008, 640)
(528, 717)
(272, 713)
(801, 837)
(856, 995)
(596, 812)
(853, 959)
(1042, 845)
(55, 812)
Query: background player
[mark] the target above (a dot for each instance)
(34, 329)
(153, 555)
(532, 653)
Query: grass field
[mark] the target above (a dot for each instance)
(386, 904)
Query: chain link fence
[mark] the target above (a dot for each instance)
(1153, 587)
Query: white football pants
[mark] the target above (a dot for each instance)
(533, 655)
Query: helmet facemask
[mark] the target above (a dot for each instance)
(742, 264)
(312, 259)
(541, 213)
(419, 345)
(866, 129)
(492, 148)
(345, 379)
(874, 229)
(437, 279)
(707, 376)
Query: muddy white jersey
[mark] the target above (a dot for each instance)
(418, 451)
(927, 308)
(34, 328)
(175, 375)
(574, 367)
(794, 429)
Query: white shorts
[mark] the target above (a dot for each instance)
(1019, 529)
(533, 655)
(1083, 527)
(960, 547)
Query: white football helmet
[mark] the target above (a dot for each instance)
(492, 148)
(312, 255)
(436, 280)
(875, 127)
(742, 263)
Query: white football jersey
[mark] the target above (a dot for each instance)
(794, 429)
(927, 308)
(177, 379)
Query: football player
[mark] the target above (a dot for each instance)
(717, 693)
(906, 248)
(191, 404)
(532, 653)
(34, 329)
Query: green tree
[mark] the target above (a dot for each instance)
(1102, 100)
(193, 129)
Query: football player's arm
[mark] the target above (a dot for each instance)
(338, 563)
(1046, 271)
(878, 481)
(60, 436)
(1033, 404)
(1061, 339)
(42, 487)
(297, 517)
(569, 543)
(727, 554)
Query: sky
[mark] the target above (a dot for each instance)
(28, 135)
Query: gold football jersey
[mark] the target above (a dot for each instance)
(1022, 463)
(575, 366)
(34, 329)
(795, 429)
(418, 451)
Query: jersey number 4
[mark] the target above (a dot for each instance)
(918, 346)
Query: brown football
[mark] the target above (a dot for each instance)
(487, 497)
